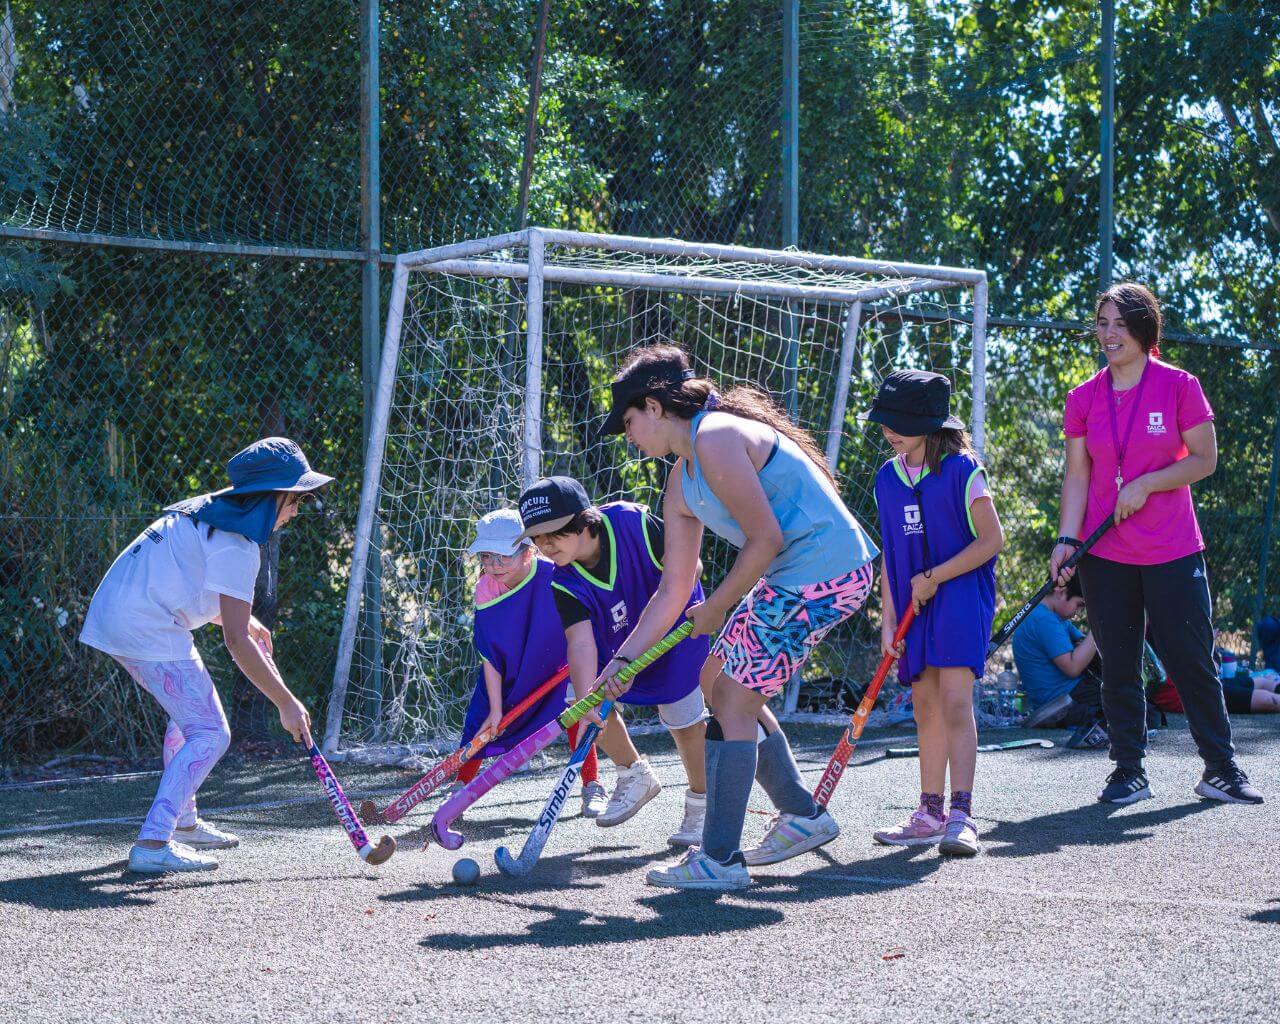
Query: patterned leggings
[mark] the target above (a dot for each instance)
(196, 738)
(774, 629)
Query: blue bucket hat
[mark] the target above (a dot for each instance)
(258, 473)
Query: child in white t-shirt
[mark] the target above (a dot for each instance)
(196, 565)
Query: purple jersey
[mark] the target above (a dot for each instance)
(953, 628)
(519, 634)
(615, 604)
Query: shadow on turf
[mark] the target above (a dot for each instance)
(1095, 824)
(571, 870)
(1271, 916)
(113, 885)
(676, 915)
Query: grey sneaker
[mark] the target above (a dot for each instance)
(205, 835)
(695, 870)
(695, 812)
(172, 857)
(594, 800)
(634, 788)
(790, 835)
(961, 839)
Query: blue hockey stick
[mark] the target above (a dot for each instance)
(518, 867)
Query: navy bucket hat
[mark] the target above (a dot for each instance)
(272, 464)
(247, 507)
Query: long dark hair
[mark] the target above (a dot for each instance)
(947, 441)
(1140, 311)
(687, 398)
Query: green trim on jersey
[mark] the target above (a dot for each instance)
(516, 589)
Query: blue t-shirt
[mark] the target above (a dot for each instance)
(1042, 637)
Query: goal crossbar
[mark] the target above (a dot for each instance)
(692, 250)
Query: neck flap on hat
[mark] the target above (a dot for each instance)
(253, 516)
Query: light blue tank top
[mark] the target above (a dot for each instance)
(821, 540)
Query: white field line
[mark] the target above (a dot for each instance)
(1040, 893)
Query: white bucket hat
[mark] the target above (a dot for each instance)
(499, 532)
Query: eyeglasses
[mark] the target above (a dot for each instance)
(488, 558)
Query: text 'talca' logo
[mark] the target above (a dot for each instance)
(619, 613)
(1155, 423)
(911, 519)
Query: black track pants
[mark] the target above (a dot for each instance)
(1174, 597)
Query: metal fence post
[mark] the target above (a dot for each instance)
(1106, 207)
(791, 186)
(533, 361)
(370, 326)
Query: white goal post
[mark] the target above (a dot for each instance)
(496, 356)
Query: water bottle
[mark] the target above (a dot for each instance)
(1227, 665)
(1007, 684)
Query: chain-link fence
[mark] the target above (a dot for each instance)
(190, 194)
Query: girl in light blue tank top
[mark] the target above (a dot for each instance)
(804, 566)
(820, 537)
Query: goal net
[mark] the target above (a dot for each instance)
(495, 370)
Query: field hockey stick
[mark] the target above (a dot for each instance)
(986, 748)
(342, 808)
(513, 759)
(853, 731)
(1007, 630)
(516, 867)
(337, 798)
(448, 768)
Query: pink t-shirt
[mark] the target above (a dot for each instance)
(1165, 528)
(487, 589)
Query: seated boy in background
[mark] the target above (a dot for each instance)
(1059, 665)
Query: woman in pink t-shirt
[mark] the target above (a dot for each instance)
(1139, 434)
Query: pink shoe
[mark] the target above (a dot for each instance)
(921, 829)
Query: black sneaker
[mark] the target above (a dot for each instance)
(1228, 784)
(1126, 786)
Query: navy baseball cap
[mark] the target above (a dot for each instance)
(550, 503)
(640, 382)
(914, 403)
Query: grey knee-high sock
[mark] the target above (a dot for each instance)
(779, 776)
(731, 767)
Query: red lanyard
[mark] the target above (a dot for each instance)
(1133, 415)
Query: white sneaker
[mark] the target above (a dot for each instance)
(695, 812)
(204, 835)
(170, 857)
(790, 835)
(695, 870)
(635, 787)
(594, 800)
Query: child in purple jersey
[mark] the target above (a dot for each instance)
(518, 636)
(940, 535)
(608, 566)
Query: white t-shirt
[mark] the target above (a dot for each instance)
(164, 585)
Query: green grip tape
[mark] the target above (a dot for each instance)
(596, 697)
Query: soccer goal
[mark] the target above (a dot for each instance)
(495, 369)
